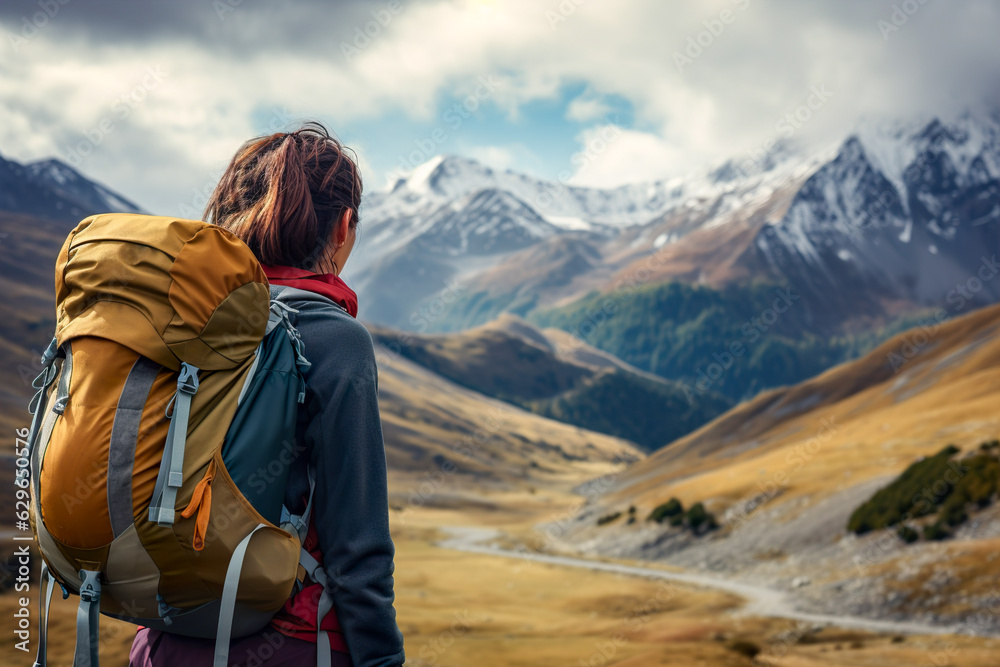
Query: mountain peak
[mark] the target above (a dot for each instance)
(55, 170)
(53, 189)
(892, 145)
(448, 175)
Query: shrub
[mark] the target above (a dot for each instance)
(744, 648)
(938, 485)
(608, 518)
(936, 531)
(698, 517)
(979, 484)
(954, 515)
(671, 508)
(919, 491)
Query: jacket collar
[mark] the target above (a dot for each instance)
(326, 284)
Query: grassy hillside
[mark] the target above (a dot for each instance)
(648, 412)
(873, 416)
(516, 363)
(786, 471)
(28, 249)
(736, 341)
(456, 439)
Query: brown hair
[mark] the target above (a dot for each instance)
(282, 194)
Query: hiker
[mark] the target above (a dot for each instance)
(293, 199)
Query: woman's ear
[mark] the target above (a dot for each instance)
(342, 227)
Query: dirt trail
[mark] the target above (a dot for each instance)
(761, 601)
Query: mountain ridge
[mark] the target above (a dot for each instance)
(52, 189)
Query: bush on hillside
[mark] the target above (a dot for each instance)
(936, 531)
(941, 486)
(917, 492)
(700, 518)
(907, 534)
(608, 518)
(671, 508)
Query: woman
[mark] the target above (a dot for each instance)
(293, 198)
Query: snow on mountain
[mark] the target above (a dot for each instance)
(443, 179)
(52, 189)
(72, 184)
(437, 190)
(899, 210)
(452, 217)
(893, 146)
(487, 221)
(904, 211)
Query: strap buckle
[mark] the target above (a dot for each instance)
(51, 352)
(187, 381)
(90, 589)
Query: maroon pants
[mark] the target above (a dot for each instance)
(268, 648)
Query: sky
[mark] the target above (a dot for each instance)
(153, 98)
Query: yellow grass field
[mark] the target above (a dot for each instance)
(457, 609)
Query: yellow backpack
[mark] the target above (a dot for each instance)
(171, 378)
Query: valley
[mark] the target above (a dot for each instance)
(636, 426)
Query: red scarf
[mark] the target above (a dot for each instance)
(327, 284)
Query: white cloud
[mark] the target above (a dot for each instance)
(725, 102)
(497, 157)
(610, 156)
(587, 106)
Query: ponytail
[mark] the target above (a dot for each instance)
(283, 193)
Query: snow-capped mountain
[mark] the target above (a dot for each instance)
(900, 212)
(904, 211)
(454, 218)
(52, 189)
(72, 185)
(445, 179)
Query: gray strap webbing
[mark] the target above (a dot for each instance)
(124, 436)
(62, 391)
(323, 657)
(318, 574)
(281, 309)
(228, 604)
(88, 618)
(44, 598)
(312, 568)
(37, 404)
(274, 318)
(165, 494)
(39, 442)
(252, 372)
(45, 377)
(161, 475)
(300, 522)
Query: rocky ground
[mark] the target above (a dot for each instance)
(802, 548)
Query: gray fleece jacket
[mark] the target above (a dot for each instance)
(340, 427)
